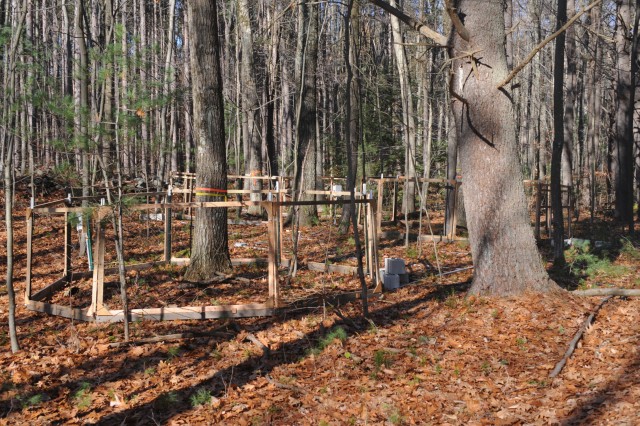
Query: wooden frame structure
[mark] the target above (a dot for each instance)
(99, 312)
(450, 185)
(542, 194)
(542, 191)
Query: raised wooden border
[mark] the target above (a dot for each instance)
(101, 313)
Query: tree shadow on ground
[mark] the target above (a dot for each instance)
(620, 388)
(242, 373)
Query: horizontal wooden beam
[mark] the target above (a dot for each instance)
(211, 204)
(192, 312)
(59, 310)
(421, 180)
(439, 238)
(323, 267)
(239, 191)
(321, 202)
(49, 290)
(336, 193)
(50, 203)
(184, 261)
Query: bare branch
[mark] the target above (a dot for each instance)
(576, 338)
(423, 29)
(543, 43)
(457, 23)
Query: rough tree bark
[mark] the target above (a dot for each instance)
(352, 130)
(250, 105)
(306, 61)
(210, 251)
(570, 97)
(622, 156)
(558, 139)
(505, 257)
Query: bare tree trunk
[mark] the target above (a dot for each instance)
(558, 139)
(9, 118)
(408, 118)
(353, 10)
(250, 104)
(271, 81)
(305, 173)
(166, 115)
(622, 156)
(82, 98)
(569, 101)
(210, 252)
(352, 128)
(593, 92)
(505, 256)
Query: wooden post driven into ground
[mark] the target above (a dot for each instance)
(380, 201)
(273, 212)
(67, 246)
(382, 181)
(543, 205)
(454, 214)
(538, 210)
(30, 253)
(167, 229)
(97, 292)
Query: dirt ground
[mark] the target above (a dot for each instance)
(427, 355)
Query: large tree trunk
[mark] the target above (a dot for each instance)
(250, 104)
(594, 96)
(622, 157)
(505, 257)
(570, 98)
(408, 116)
(558, 138)
(352, 124)
(210, 252)
(305, 173)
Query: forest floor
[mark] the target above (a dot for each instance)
(428, 355)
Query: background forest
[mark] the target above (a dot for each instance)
(89, 85)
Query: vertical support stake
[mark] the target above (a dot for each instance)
(274, 291)
(167, 228)
(27, 291)
(538, 211)
(67, 247)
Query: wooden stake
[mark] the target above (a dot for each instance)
(67, 247)
(167, 229)
(272, 211)
(97, 291)
(376, 260)
(394, 208)
(281, 198)
(367, 249)
(538, 212)
(380, 200)
(27, 292)
(454, 214)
